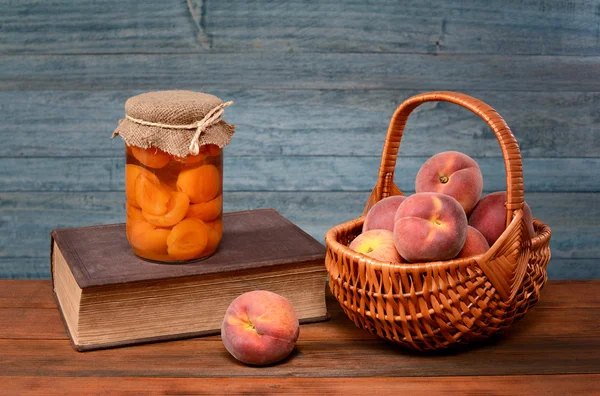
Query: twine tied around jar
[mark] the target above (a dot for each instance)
(212, 117)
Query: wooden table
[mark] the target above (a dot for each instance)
(555, 349)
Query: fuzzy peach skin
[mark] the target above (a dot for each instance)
(378, 244)
(489, 216)
(430, 227)
(381, 215)
(452, 173)
(260, 327)
(474, 244)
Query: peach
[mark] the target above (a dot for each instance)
(377, 244)
(430, 227)
(131, 174)
(177, 207)
(206, 211)
(152, 197)
(381, 215)
(201, 184)
(489, 216)
(144, 236)
(454, 174)
(474, 244)
(260, 327)
(151, 157)
(187, 239)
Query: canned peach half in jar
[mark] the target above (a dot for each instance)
(174, 173)
(174, 205)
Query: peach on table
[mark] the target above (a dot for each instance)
(260, 327)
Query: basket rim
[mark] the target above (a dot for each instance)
(543, 233)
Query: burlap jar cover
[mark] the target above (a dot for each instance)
(176, 122)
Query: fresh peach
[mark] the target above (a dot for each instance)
(454, 174)
(206, 211)
(177, 207)
(430, 227)
(260, 327)
(377, 244)
(489, 216)
(144, 236)
(131, 174)
(474, 244)
(187, 239)
(381, 215)
(201, 184)
(151, 157)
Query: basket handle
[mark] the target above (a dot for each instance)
(512, 162)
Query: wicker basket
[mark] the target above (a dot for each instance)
(427, 306)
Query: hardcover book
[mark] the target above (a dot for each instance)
(109, 297)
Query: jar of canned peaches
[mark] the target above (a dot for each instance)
(174, 193)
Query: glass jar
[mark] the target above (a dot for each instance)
(174, 204)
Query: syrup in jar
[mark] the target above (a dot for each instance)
(174, 204)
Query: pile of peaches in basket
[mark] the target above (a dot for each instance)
(444, 219)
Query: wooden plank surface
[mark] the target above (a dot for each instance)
(516, 385)
(300, 71)
(555, 338)
(292, 173)
(435, 26)
(312, 122)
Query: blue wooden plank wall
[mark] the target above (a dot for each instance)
(315, 84)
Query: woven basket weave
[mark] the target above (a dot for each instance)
(427, 306)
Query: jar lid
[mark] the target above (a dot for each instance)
(177, 122)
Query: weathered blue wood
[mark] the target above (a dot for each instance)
(292, 173)
(436, 26)
(311, 122)
(105, 26)
(480, 73)
(26, 219)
